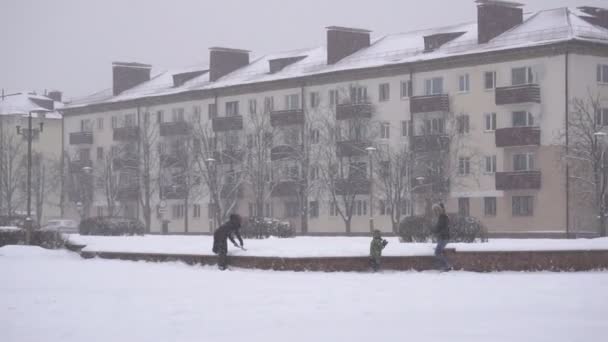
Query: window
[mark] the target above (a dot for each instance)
(489, 80)
(99, 124)
(463, 206)
(464, 166)
(489, 120)
(160, 118)
(384, 91)
(523, 205)
(406, 89)
(313, 209)
(406, 128)
(196, 113)
(523, 162)
(177, 211)
(129, 120)
(463, 83)
(315, 99)
(357, 170)
(269, 210)
(601, 117)
(177, 114)
(196, 211)
(522, 119)
(251, 207)
(146, 118)
(292, 102)
(490, 164)
(86, 125)
(268, 104)
(360, 208)
(382, 208)
(253, 106)
(434, 126)
(434, 86)
(292, 209)
(232, 108)
(212, 109)
(602, 73)
(489, 206)
(463, 124)
(314, 136)
(100, 211)
(358, 94)
(333, 97)
(99, 153)
(314, 173)
(333, 211)
(523, 75)
(406, 208)
(385, 130)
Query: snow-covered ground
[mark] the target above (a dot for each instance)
(316, 246)
(57, 296)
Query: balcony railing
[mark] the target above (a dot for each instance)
(353, 111)
(281, 152)
(518, 180)
(527, 93)
(173, 160)
(352, 186)
(81, 138)
(227, 123)
(518, 136)
(128, 193)
(352, 148)
(173, 191)
(232, 156)
(168, 129)
(431, 143)
(287, 118)
(76, 166)
(430, 185)
(126, 133)
(430, 103)
(125, 162)
(285, 189)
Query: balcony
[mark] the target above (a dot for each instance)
(169, 129)
(518, 136)
(77, 165)
(287, 118)
(281, 152)
(125, 162)
(518, 180)
(430, 103)
(227, 123)
(350, 186)
(285, 189)
(81, 138)
(430, 185)
(431, 143)
(173, 160)
(527, 93)
(173, 192)
(231, 156)
(352, 148)
(128, 193)
(353, 111)
(126, 134)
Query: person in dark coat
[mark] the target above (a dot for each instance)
(442, 233)
(226, 231)
(375, 250)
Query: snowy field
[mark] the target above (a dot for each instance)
(316, 246)
(57, 296)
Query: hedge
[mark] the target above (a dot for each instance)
(110, 226)
(462, 229)
(263, 228)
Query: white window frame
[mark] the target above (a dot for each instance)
(529, 76)
(528, 161)
(529, 119)
(529, 200)
(333, 97)
(315, 99)
(100, 124)
(405, 128)
(489, 122)
(406, 89)
(384, 92)
(601, 117)
(463, 124)
(232, 108)
(493, 73)
(602, 73)
(358, 94)
(253, 106)
(490, 164)
(462, 203)
(196, 211)
(385, 130)
(292, 102)
(177, 115)
(464, 83)
(464, 166)
(493, 212)
(433, 86)
(268, 104)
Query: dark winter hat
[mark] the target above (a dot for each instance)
(235, 218)
(377, 233)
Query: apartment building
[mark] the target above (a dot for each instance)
(46, 151)
(478, 110)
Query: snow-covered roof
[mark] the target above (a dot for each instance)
(540, 28)
(23, 103)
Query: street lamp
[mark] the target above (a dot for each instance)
(87, 191)
(370, 150)
(29, 136)
(211, 164)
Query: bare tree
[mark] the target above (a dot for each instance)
(148, 166)
(12, 167)
(257, 169)
(45, 181)
(584, 152)
(107, 180)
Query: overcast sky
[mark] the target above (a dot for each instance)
(69, 44)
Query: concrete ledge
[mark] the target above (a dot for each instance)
(465, 261)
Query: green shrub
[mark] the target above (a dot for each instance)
(263, 228)
(46, 239)
(110, 226)
(11, 236)
(462, 229)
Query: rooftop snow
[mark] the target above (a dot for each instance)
(22, 104)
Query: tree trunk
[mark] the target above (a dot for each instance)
(186, 213)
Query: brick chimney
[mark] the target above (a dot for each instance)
(54, 95)
(344, 41)
(128, 75)
(495, 17)
(223, 61)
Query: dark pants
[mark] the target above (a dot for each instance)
(221, 249)
(374, 262)
(440, 254)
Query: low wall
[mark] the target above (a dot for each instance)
(466, 261)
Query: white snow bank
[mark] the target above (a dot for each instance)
(9, 228)
(28, 252)
(316, 246)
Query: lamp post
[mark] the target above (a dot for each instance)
(370, 150)
(212, 176)
(87, 191)
(602, 173)
(29, 136)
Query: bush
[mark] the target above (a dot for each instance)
(111, 226)
(11, 236)
(263, 228)
(46, 239)
(462, 229)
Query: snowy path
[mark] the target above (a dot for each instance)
(57, 296)
(316, 246)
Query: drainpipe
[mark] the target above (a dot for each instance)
(138, 168)
(566, 101)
